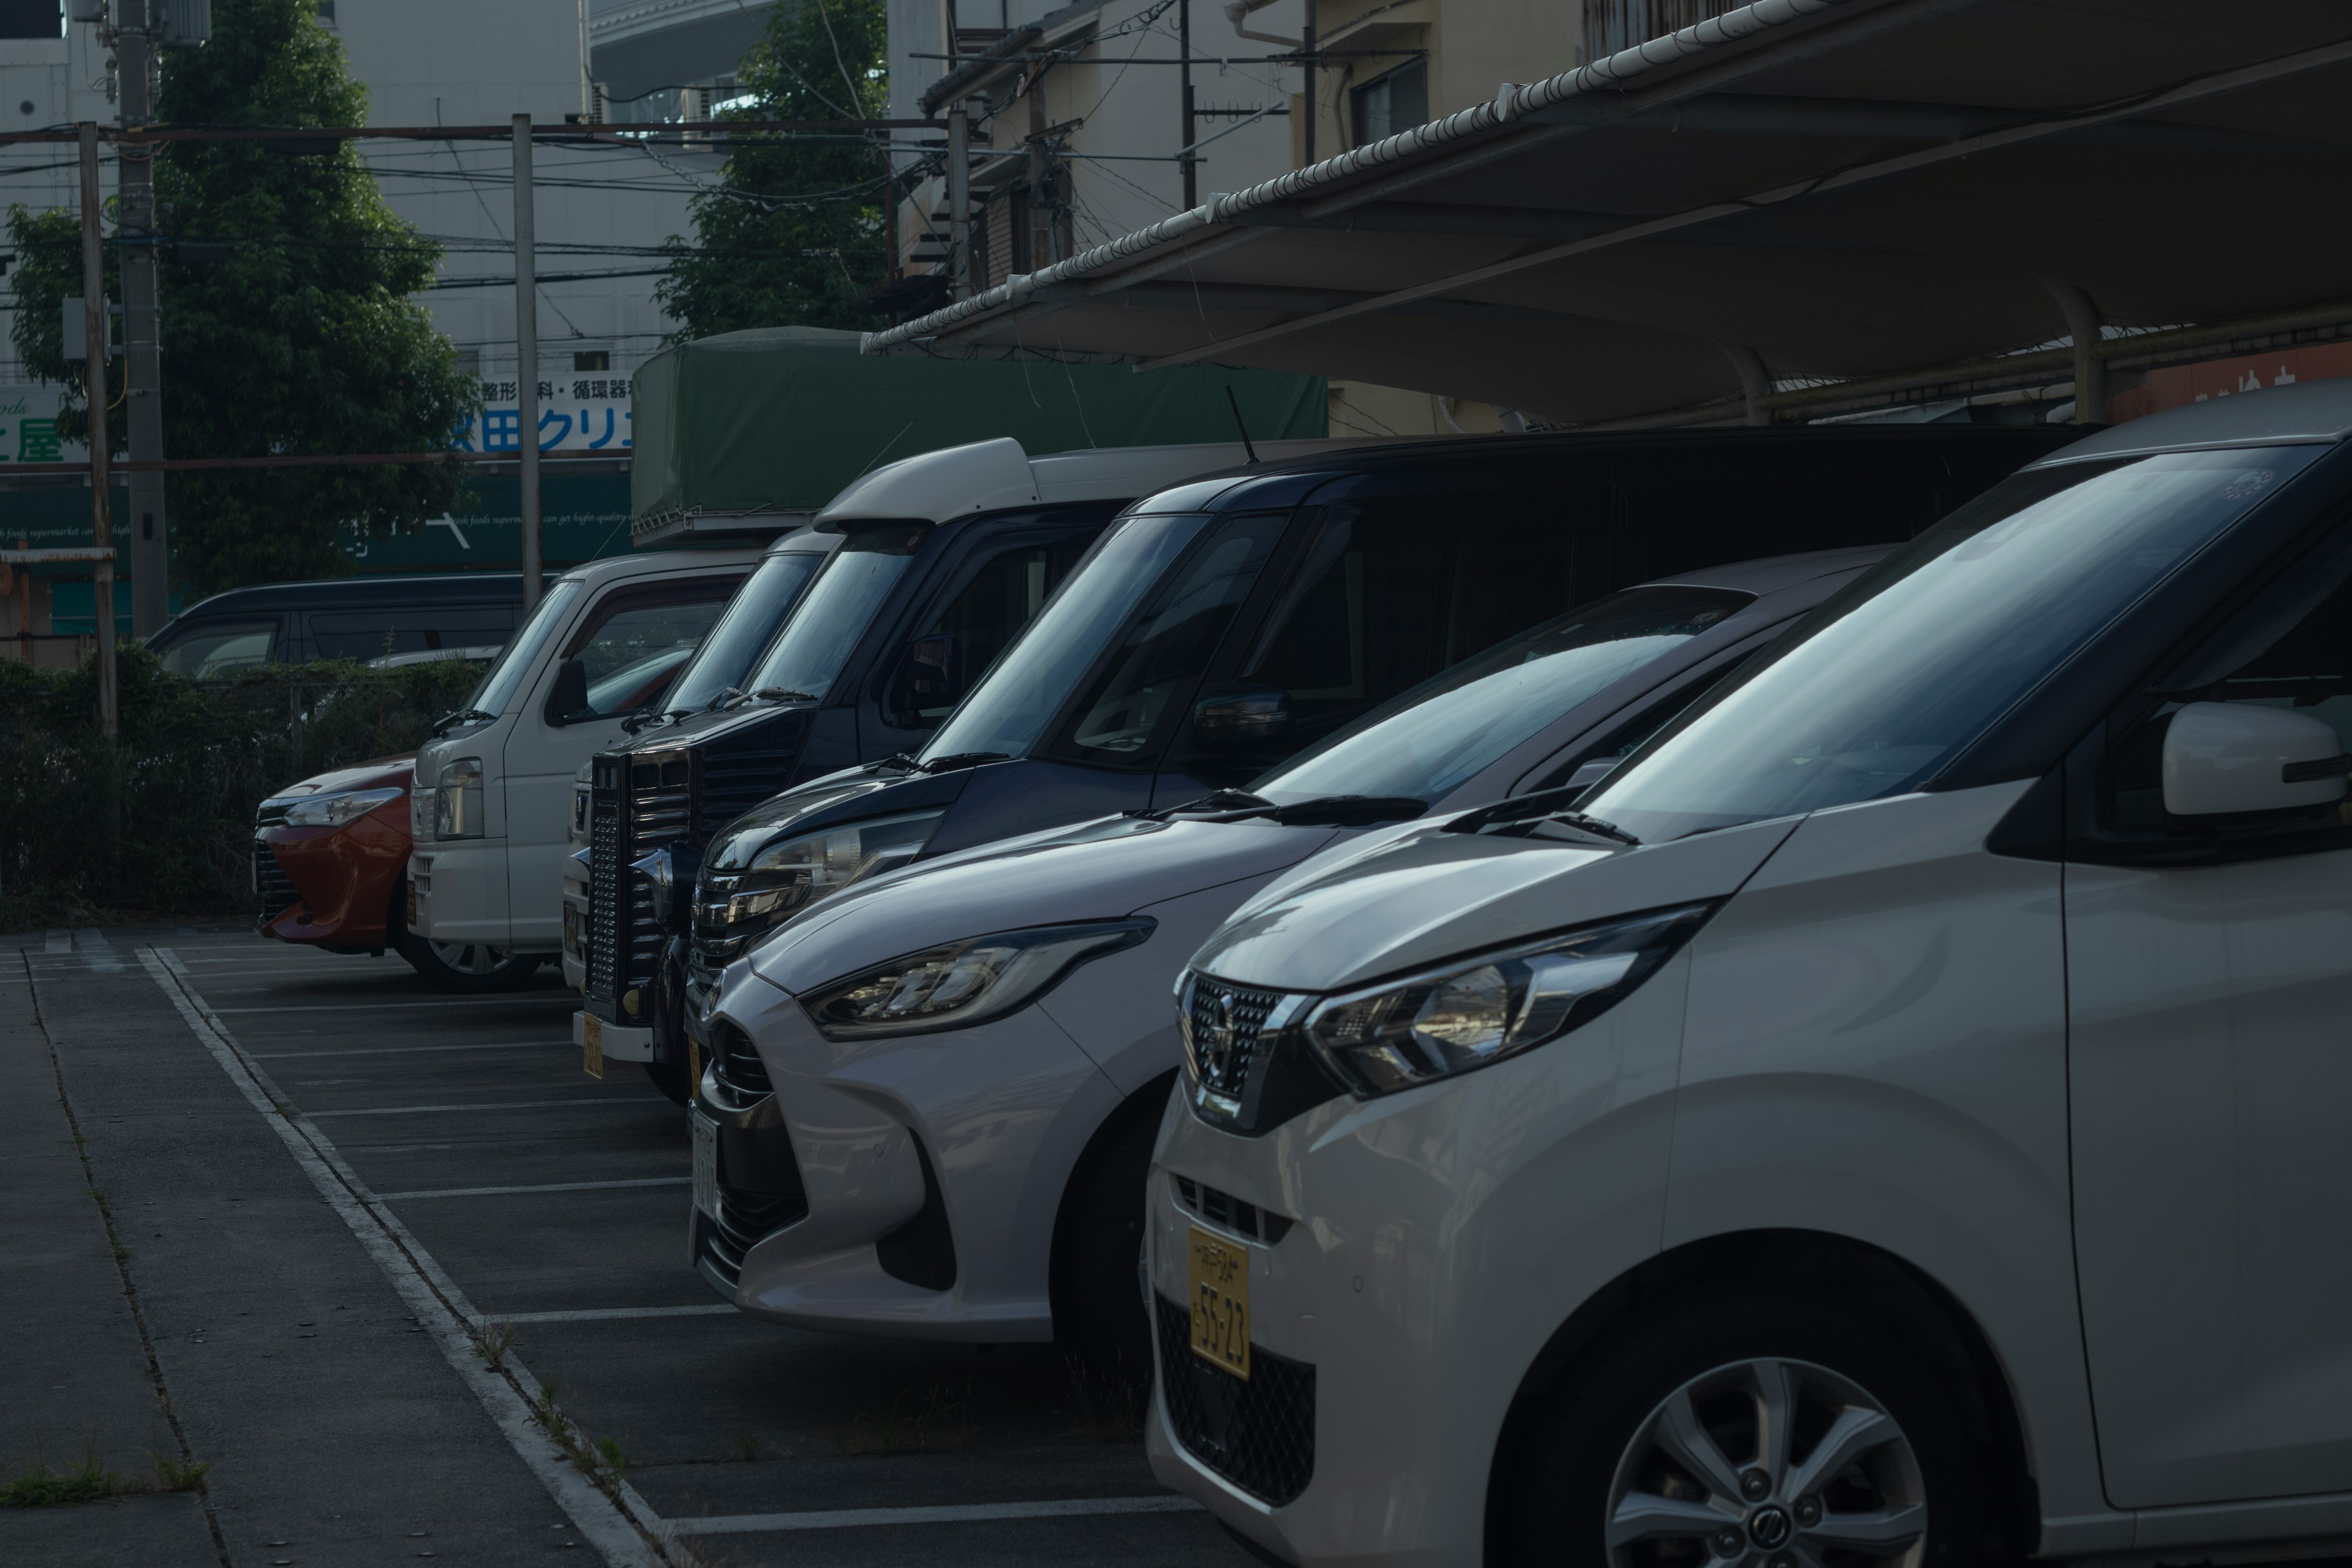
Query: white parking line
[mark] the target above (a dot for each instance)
(547, 1187)
(58, 941)
(97, 951)
(382, 1005)
(854, 1517)
(502, 1105)
(625, 1534)
(570, 1045)
(613, 1314)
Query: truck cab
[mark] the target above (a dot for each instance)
(493, 787)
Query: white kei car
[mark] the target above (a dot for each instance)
(1896, 1117)
(969, 1056)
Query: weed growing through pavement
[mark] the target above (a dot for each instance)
(600, 1459)
(492, 1340)
(38, 1485)
(1103, 1409)
(937, 1426)
(745, 1445)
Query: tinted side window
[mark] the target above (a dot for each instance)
(635, 640)
(1133, 702)
(408, 628)
(220, 647)
(963, 637)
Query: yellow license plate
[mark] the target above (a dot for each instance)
(1221, 1320)
(592, 1045)
(412, 906)
(693, 1065)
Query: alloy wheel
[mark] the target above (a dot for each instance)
(471, 957)
(1767, 1464)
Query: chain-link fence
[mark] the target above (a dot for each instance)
(158, 821)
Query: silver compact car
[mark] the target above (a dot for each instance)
(933, 1096)
(1895, 1117)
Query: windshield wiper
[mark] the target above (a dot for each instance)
(1322, 810)
(719, 699)
(781, 694)
(1543, 805)
(644, 717)
(954, 761)
(448, 721)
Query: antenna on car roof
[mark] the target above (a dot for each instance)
(1241, 424)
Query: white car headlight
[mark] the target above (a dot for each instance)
(336, 810)
(960, 984)
(1469, 1014)
(458, 800)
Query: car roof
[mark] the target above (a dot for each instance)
(2306, 413)
(1769, 574)
(353, 593)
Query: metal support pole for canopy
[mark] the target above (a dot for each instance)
(526, 230)
(2090, 369)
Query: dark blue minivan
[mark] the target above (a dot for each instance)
(1223, 625)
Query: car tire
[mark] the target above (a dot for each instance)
(1100, 1313)
(1613, 1427)
(671, 1079)
(467, 968)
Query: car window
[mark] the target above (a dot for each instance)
(1389, 593)
(1429, 740)
(633, 639)
(407, 628)
(1127, 713)
(502, 679)
(1008, 712)
(825, 630)
(724, 657)
(1875, 691)
(210, 651)
(963, 636)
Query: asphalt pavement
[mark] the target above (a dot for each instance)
(395, 1278)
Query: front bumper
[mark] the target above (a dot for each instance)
(329, 886)
(932, 1168)
(618, 1042)
(460, 887)
(1434, 1242)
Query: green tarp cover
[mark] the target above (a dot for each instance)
(779, 418)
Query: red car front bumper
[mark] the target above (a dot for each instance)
(333, 887)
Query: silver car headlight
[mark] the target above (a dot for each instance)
(960, 984)
(1483, 1010)
(790, 874)
(337, 810)
(458, 800)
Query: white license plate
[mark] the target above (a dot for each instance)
(706, 1166)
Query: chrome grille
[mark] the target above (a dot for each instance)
(1222, 1034)
(660, 811)
(604, 938)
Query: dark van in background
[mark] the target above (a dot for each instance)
(342, 617)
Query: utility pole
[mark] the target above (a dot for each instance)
(960, 201)
(1184, 87)
(527, 354)
(1307, 58)
(135, 232)
(102, 522)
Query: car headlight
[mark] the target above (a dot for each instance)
(1469, 1014)
(336, 810)
(458, 800)
(793, 873)
(961, 983)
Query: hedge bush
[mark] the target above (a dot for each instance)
(158, 822)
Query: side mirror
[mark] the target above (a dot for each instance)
(567, 702)
(1238, 720)
(2235, 758)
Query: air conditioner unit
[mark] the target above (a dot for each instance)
(184, 23)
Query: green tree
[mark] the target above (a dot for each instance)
(792, 235)
(288, 326)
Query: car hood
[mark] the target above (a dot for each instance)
(1425, 895)
(1097, 870)
(377, 774)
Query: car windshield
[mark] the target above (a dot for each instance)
(1416, 745)
(1008, 712)
(824, 631)
(505, 677)
(751, 619)
(1885, 683)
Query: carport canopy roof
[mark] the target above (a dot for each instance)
(1869, 192)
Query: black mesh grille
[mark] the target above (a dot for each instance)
(1257, 1433)
(273, 890)
(604, 883)
(637, 803)
(1225, 1022)
(741, 1072)
(1222, 1208)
